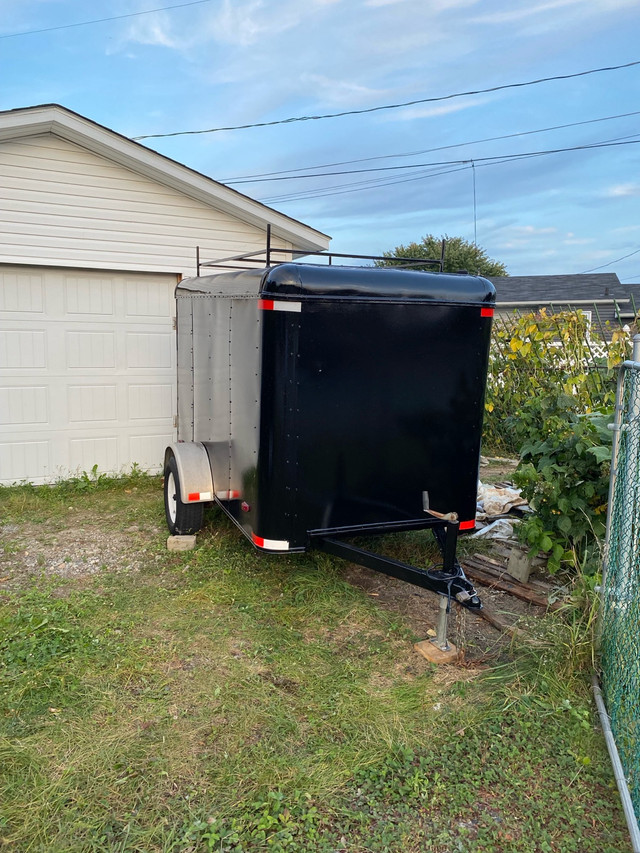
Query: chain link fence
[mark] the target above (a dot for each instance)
(620, 616)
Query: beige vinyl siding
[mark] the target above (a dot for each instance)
(63, 205)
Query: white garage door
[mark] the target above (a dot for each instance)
(87, 371)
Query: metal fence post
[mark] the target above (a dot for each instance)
(619, 639)
(628, 543)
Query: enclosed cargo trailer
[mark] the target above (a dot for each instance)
(317, 403)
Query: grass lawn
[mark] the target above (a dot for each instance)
(220, 700)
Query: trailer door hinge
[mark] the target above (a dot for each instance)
(174, 324)
(175, 421)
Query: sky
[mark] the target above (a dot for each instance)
(440, 165)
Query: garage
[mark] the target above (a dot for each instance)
(95, 232)
(87, 371)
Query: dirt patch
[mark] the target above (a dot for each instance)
(420, 608)
(497, 469)
(32, 550)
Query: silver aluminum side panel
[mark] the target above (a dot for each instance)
(218, 384)
(246, 382)
(184, 311)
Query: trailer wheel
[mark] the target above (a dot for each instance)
(182, 519)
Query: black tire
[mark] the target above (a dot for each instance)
(182, 519)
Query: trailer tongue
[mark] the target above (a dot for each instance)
(450, 582)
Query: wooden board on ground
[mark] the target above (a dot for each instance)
(433, 654)
(479, 569)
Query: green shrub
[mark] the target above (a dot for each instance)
(539, 355)
(550, 399)
(564, 475)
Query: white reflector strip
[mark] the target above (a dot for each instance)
(270, 544)
(287, 306)
(228, 496)
(275, 305)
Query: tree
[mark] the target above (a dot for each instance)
(460, 254)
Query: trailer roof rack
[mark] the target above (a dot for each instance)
(265, 258)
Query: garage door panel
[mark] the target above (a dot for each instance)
(90, 350)
(144, 300)
(25, 460)
(150, 350)
(89, 296)
(23, 349)
(87, 372)
(90, 403)
(24, 405)
(22, 292)
(148, 450)
(150, 401)
(85, 453)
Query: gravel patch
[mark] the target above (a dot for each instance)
(30, 550)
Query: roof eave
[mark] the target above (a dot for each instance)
(58, 120)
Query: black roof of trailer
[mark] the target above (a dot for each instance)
(315, 280)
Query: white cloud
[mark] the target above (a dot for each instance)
(342, 92)
(426, 111)
(523, 11)
(153, 30)
(435, 6)
(623, 191)
(597, 255)
(239, 23)
(531, 230)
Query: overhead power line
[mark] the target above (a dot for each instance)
(102, 20)
(408, 176)
(617, 260)
(502, 157)
(429, 150)
(359, 186)
(394, 106)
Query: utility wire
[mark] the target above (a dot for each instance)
(393, 106)
(617, 260)
(502, 157)
(430, 150)
(102, 20)
(358, 186)
(339, 189)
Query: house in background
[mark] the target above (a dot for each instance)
(95, 232)
(602, 296)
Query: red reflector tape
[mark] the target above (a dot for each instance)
(265, 304)
(194, 496)
(199, 496)
(467, 525)
(486, 312)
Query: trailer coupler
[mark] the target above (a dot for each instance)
(451, 583)
(456, 586)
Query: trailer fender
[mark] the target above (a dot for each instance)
(194, 471)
